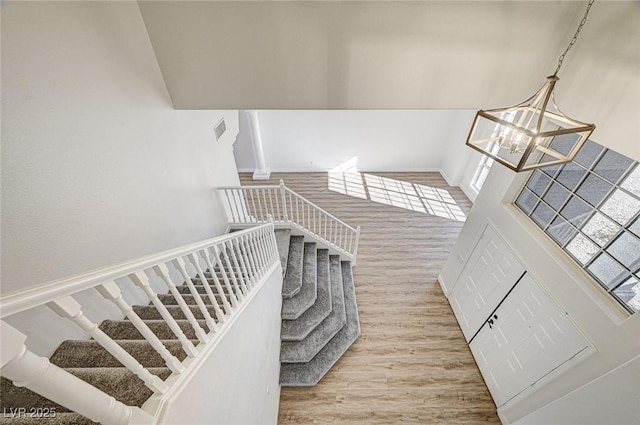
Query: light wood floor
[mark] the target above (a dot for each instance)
(411, 364)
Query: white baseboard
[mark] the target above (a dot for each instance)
(446, 178)
(471, 194)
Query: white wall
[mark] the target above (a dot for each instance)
(97, 166)
(239, 383)
(612, 392)
(387, 140)
(612, 332)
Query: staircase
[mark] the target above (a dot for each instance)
(90, 362)
(319, 311)
(320, 322)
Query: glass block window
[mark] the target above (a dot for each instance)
(591, 208)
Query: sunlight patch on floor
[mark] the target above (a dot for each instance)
(346, 179)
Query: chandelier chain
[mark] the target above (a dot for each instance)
(575, 37)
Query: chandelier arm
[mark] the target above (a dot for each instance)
(552, 83)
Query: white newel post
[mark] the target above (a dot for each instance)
(27, 369)
(261, 172)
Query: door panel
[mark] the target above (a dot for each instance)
(530, 337)
(490, 273)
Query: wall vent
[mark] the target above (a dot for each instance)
(220, 128)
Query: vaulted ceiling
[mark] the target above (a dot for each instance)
(395, 54)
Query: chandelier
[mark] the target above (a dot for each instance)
(534, 133)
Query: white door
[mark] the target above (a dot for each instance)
(489, 274)
(527, 337)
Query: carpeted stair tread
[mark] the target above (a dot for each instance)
(149, 312)
(282, 242)
(124, 329)
(118, 382)
(88, 353)
(184, 289)
(294, 307)
(59, 419)
(308, 374)
(169, 299)
(298, 329)
(293, 277)
(305, 350)
(239, 274)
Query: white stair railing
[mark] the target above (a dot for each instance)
(248, 205)
(242, 261)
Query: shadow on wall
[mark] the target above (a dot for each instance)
(346, 179)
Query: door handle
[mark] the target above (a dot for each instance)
(491, 321)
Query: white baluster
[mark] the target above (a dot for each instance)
(246, 255)
(239, 199)
(181, 266)
(324, 233)
(259, 205)
(255, 245)
(231, 202)
(112, 292)
(238, 271)
(274, 194)
(235, 246)
(70, 309)
(315, 226)
(253, 202)
(283, 195)
(228, 204)
(225, 276)
(224, 254)
(238, 261)
(290, 211)
(216, 282)
(244, 240)
(334, 239)
(266, 206)
(216, 308)
(355, 248)
(268, 233)
(141, 280)
(263, 250)
(226, 271)
(270, 192)
(273, 249)
(162, 271)
(27, 369)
